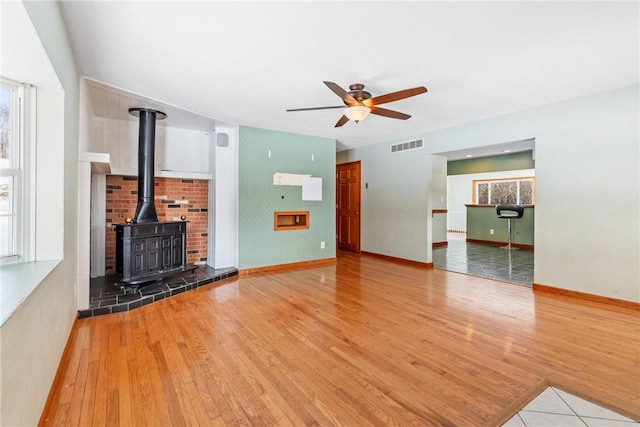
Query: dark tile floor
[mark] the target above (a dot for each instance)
(493, 262)
(108, 296)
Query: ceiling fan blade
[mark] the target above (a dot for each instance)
(315, 108)
(395, 96)
(342, 121)
(343, 94)
(389, 113)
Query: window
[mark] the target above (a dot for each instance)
(518, 191)
(13, 155)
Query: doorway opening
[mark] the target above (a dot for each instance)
(475, 235)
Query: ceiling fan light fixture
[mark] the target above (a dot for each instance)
(356, 113)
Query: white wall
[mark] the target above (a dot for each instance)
(439, 198)
(588, 196)
(587, 187)
(224, 202)
(34, 337)
(395, 210)
(87, 181)
(51, 126)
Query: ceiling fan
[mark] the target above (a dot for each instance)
(359, 102)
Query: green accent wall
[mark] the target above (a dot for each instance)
(481, 219)
(258, 243)
(502, 162)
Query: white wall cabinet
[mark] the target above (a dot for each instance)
(185, 151)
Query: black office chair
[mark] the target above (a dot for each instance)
(509, 212)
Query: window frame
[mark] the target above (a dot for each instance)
(476, 182)
(21, 167)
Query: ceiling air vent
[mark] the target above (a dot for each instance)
(407, 145)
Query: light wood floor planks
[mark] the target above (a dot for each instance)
(365, 342)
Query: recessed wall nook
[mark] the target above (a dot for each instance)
(291, 220)
(174, 198)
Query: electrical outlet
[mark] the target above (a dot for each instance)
(321, 245)
(491, 231)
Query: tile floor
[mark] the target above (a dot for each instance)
(555, 407)
(493, 262)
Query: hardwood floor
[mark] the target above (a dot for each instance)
(363, 342)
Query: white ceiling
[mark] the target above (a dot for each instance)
(246, 63)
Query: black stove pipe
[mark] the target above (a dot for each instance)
(146, 208)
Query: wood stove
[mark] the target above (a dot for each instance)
(150, 251)
(147, 249)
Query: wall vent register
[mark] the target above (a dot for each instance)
(406, 146)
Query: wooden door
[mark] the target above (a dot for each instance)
(348, 206)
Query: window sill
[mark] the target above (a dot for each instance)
(18, 281)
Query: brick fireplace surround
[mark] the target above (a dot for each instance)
(173, 197)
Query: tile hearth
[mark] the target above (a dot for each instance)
(108, 296)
